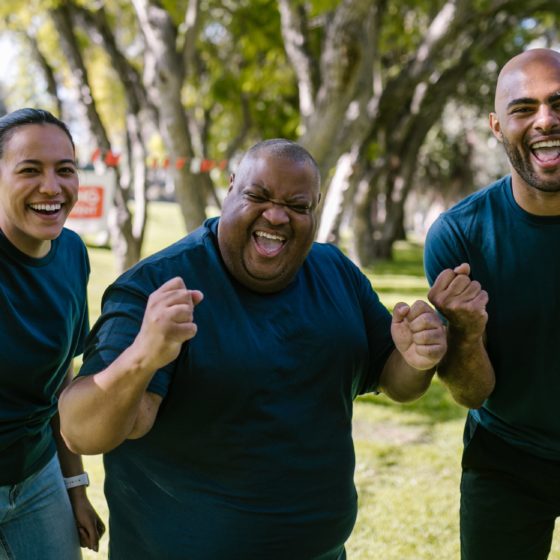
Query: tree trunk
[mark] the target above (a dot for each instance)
(121, 224)
(333, 205)
(364, 231)
(48, 72)
(141, 121)
(357, 102)
(165, 73)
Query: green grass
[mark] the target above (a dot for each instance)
(407, 456)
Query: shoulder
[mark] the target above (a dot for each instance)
(328, 254)
(330, 262)
(482, 201)
(471, 214)
(458, 233)
(193, 250)
(69, 239)
(71, 252)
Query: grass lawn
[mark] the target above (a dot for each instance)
(407, 456)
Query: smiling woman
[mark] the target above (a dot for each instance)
(44, 271)
(38, 185)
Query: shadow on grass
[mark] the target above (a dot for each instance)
(436, 405)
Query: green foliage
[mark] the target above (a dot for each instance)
(241, 57)
(176, 9)
(320, 7)
(28, 88)
(107, 91)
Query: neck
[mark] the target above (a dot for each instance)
(535, 201)
(35, 250)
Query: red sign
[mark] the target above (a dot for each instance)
(90, 203)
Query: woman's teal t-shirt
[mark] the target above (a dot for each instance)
(43, 324)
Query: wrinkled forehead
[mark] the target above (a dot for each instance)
(528, 76)
(271, 169)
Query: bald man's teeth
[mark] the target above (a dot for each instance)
(546, 144)
(266, 235)
(269, 243)
(547, 150)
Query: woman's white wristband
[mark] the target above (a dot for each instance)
(78, 480)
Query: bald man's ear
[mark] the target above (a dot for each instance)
(231, 180)
(495, 126)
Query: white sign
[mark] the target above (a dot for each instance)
(95, 200)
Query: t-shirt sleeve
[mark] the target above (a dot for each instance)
(82, 327)
(115, 330)
(83, 330)
(377, 321)
(443, 249)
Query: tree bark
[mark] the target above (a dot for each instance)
(47, 70)
(141, 120)
(121, 227)
(166, 72)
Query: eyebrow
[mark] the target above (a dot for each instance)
(521, 101)
(39, 162)
(259, 186)
(296, 198)
(531, 101)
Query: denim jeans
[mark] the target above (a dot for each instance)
(36, 519)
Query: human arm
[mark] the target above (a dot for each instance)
(98, 412)
(420, 344)
(90, 526)
(466, 368)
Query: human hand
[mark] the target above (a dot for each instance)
(90, 526)
(461, 300)
(167, 323)
(418, 334)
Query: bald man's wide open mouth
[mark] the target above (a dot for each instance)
(546, 151)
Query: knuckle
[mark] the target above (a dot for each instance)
(434, 297)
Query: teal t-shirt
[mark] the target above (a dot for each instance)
(515, 257)
(251, 455)
(43, 324)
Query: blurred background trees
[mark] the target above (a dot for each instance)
(390, 96)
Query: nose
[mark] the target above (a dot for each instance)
(50, 184)
(547, 118)
(276, 213)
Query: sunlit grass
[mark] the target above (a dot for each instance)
(407, 456)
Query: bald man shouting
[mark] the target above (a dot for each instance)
(494, 264)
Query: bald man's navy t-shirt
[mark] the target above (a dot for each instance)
(251, 454)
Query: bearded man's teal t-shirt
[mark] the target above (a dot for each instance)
(515, 257)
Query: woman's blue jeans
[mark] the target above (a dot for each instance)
(36, 519)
